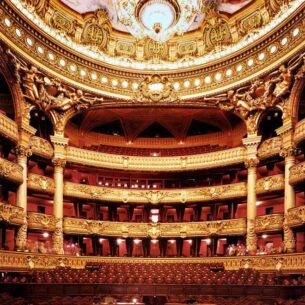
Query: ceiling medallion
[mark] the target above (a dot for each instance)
(158, 19)
(156, 89)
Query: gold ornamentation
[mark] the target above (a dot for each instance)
(289, 239)
(269, 223)
(8, 128)
(270, 184)
(21, 238)
(297, 173)
(253, 162)
(270, 148)
(21, 150)
(251, 237)
(59, 162)
(288, 151)
(97, 30)
(41, 147)
(10, 171)
(11, 214)
(156, 89)
(58, 239)
(125, 229)
(41, 221)
(295, 216)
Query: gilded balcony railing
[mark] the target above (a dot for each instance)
(25, 261)
(175, 163)
(41, 221)
(41, 147)
(11, 214)
(269, 223)
(130, 229)
(10, 171)
(296, 216)
(270, 148)
(40, 183)
(297, 173)
(8, 128)
(270, 184)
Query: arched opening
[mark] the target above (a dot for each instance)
(42, 123)
(6, 100)
(269, 122)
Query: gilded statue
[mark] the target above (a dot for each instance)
(49, 94)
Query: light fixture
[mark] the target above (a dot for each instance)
(264, 236)
(155, 218)
(45, 234)
(157, 19)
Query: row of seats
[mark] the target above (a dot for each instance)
(149, 152)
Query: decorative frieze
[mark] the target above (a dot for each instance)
(269, 223)
(10, 171)
(202, 194)
(270, 148)
(25, 261)
(41, 221)
(126, 229)
(41, 147)
(41, 183)
(297, 173)
(270, 184)
(296, 216)
(11, 214)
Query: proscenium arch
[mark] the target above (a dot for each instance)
(295, 98)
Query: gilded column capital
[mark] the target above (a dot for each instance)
(290, 151)
(22, 150)
(59, 162)
(253, 162)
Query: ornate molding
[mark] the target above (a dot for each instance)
(270, 148)
(41, 183)
(11, 171)
(11, 214)
(23, 261)
(270, 184)
(297, 173)
(203, 194)
(127, 229)
(41, 147)
(299, 132)
(59, 162)
(21, 150)
(296, 216)
(269, 223)
(8, 128)
(41, 221)
(163, 164)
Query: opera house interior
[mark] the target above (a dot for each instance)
(152, 152)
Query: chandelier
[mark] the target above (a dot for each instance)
(158, 19)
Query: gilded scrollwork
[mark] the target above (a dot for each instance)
(270, 184)
(152, 230)
(266, 223)
(251, 237)
(270, 148)
(295, 216)
(57, 237)
(289, 238)
(10, 171)
(156, 89)
(41, 221)
(297, 173)
(41, 147)
(11, 214)
(21, 238)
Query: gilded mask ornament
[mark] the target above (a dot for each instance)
(156, 89)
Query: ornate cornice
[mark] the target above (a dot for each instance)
(270, 184)
(163, 164)
(24, 261)
(11, 214)
(41, 147)
(296, 216)
(41, 221)
(297, 173)
(269, 223)
(8, 128)
(127, 229)
(278, 46)
(11, 171)
(40, 183)
(203, 194)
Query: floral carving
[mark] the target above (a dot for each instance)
(10, 171)
(41, 221)
(270, 147)
(41, 183)
(269, 223)
(271, 183)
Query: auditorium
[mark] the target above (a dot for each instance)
(152, 152)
